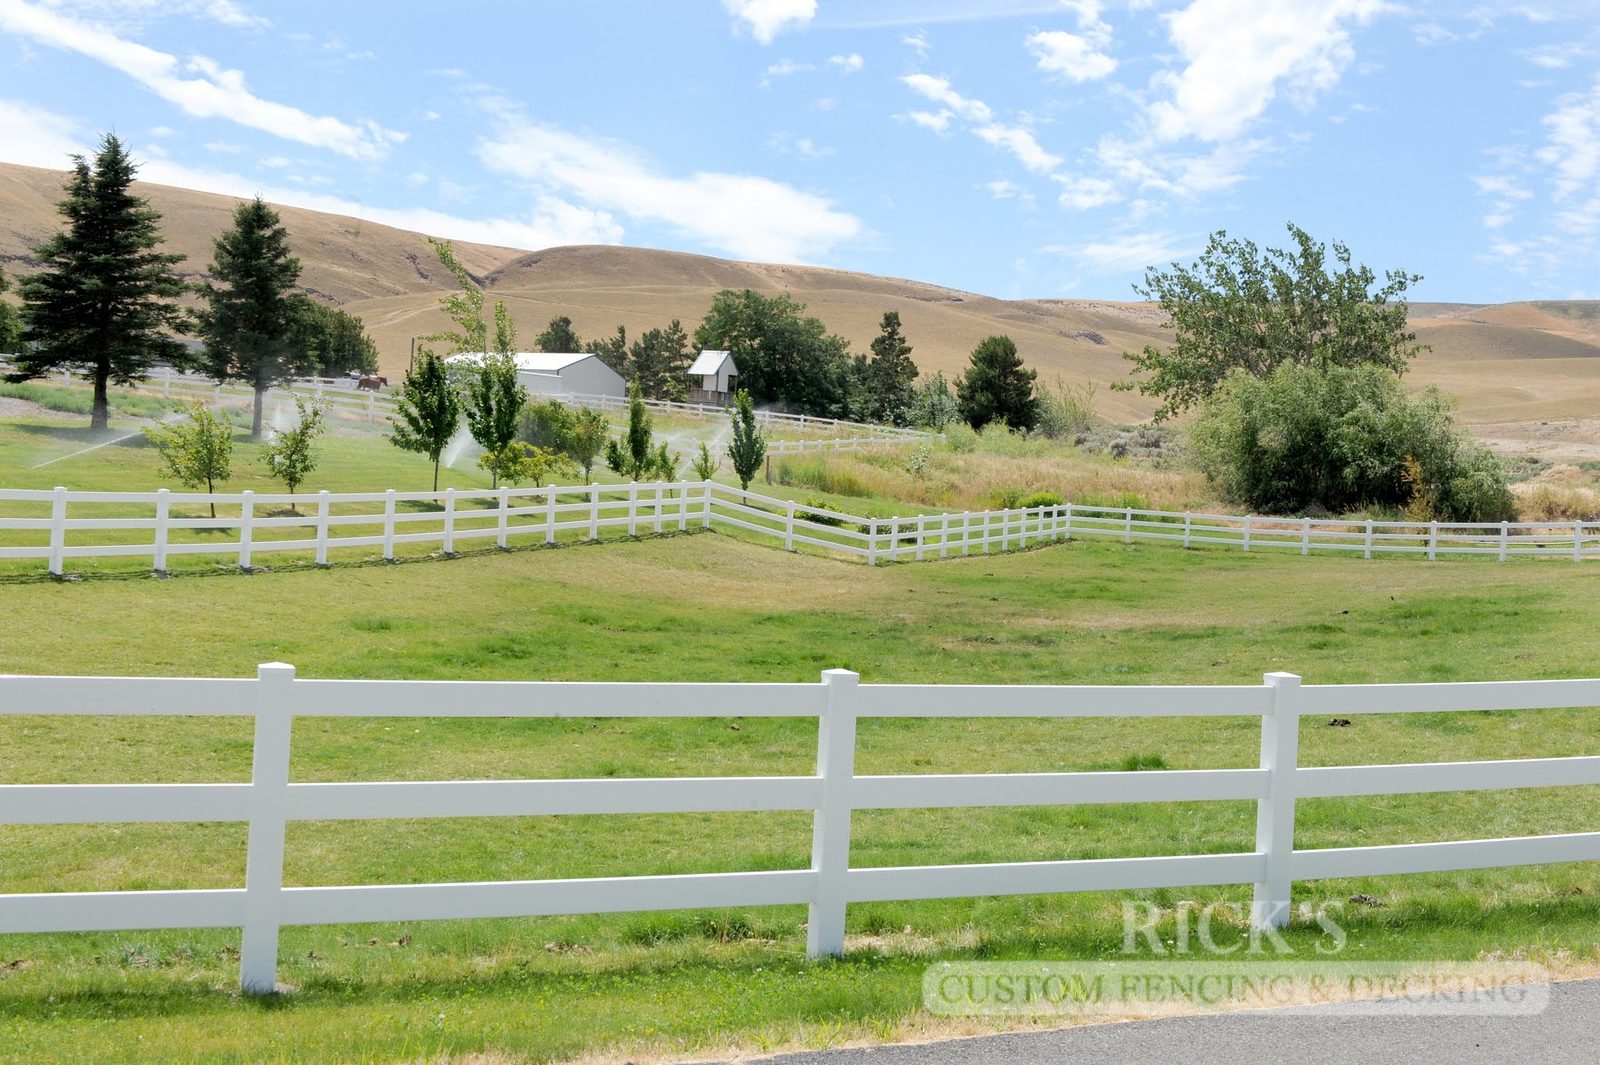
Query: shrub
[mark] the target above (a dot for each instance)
(1040, 499)
(961, 437)
(1066, 410)
(1339, 438)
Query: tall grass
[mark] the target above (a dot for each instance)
(73, 400)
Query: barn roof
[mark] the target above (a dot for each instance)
(710, 362)
(552, 362)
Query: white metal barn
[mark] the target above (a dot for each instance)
(554, 373)
(713, 378)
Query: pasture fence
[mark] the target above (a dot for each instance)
(277, 698)
(160, 525)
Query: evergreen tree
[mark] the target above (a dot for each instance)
(614, 351)
(10, 322)
(558, 336)
(997, 388)
(103, 303)
(429, 410)
(659, 361)
(248, 323)
(748, 447)
(890, 375)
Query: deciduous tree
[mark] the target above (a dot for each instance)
(494, 399)
(198, 452)
(292, 455)
(103, 304)
(785, 357)
(1239, 308)
(634, 456)
(748, 447)
(429, 410)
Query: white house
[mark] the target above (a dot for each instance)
(713, 378)
(549, 373)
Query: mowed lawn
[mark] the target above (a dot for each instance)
(711, 607)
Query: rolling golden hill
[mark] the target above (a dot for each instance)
(1521, 371)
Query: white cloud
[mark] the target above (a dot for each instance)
(1572, 149)
(36, 137)
(765, 19)
(213, 92)
(1237, 52)
(848, 63)
(1021, 144)
(804, 147)
(938, 121)
(1555, 56)
(33, 136)
(740, 214)
(1069, 56)
(785, 67)
(939, 91)
(1135, 251)
(1084, 193)
(1075, 57)
(225, 12)
(917, 42)
(1017, 140)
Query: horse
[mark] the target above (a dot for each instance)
(373, 384)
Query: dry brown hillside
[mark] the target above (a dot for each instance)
(1523, 371)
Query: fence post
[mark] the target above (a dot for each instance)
(1280, 752)
(1305, 536)
(1577, 541)
(1066, 531)
(500, 523)
(966, 533)
(372, 404)
(1247, 532)
(922, 534)
(322, 527)
(683, 505)
(830, 827)
(163, 510)
(58, 529)
(1127, 526)
(655, 509)
(872, 542)
(944, 534)
(247, 513)
(388, 524)
(550, 514)
(594, 511)
(1366, 549)
(788, 527)
(1433, 541)
(1188, 527)
(707, 511)
(633, 508)
(1505, 533)
(269, 793)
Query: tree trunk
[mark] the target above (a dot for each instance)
(100, 418)
(255, 414)
(436, 475)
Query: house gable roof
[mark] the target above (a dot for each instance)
(710, 362)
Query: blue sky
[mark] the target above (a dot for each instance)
(1047, 148)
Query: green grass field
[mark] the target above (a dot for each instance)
(712, 607)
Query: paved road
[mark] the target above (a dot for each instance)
(1568, 1033)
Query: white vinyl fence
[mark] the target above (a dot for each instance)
(276, 698)
(768, 419)
(250, 524)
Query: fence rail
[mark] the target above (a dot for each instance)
(246, 527)
(272, 799)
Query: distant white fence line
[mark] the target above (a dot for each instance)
(767, 418)
(833, 792)
(387, 520)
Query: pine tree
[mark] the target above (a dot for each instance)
(659, 361)
(429, 410)
(558, 336)
(748, 447)
(102, 305)
(997, 388)
(10, 322)
(612, 352)
(248, 323)
(890, 374)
